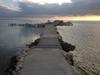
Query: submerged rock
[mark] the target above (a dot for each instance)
(69, 58)
(12, 65)
(66, 46)
(33, 43)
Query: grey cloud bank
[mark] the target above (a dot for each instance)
(77, 7)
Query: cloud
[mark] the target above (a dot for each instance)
(77, 7)
(50, 1)
(10, 4)
(5, 12)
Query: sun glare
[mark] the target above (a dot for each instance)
(50, 1)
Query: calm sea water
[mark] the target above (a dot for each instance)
(15, 38)
(84, 35)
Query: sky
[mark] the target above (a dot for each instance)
(29, 8)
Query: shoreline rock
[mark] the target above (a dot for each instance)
(16, 62)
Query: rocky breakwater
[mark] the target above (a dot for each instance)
(16, 62)
(68, 54)
(66, 47)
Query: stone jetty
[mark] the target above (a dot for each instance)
(47, 57)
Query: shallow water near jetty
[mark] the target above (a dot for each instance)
(15, 38)
(84, 35)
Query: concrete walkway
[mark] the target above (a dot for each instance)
(47, 58)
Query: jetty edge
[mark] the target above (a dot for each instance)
(46, 57)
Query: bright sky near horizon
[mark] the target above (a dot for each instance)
(79, 18)
(50, 1)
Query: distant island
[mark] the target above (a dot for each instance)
(55, 22)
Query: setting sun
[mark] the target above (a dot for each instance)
(50, 1)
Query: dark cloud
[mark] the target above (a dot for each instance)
(77, 7)
(5, 12)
